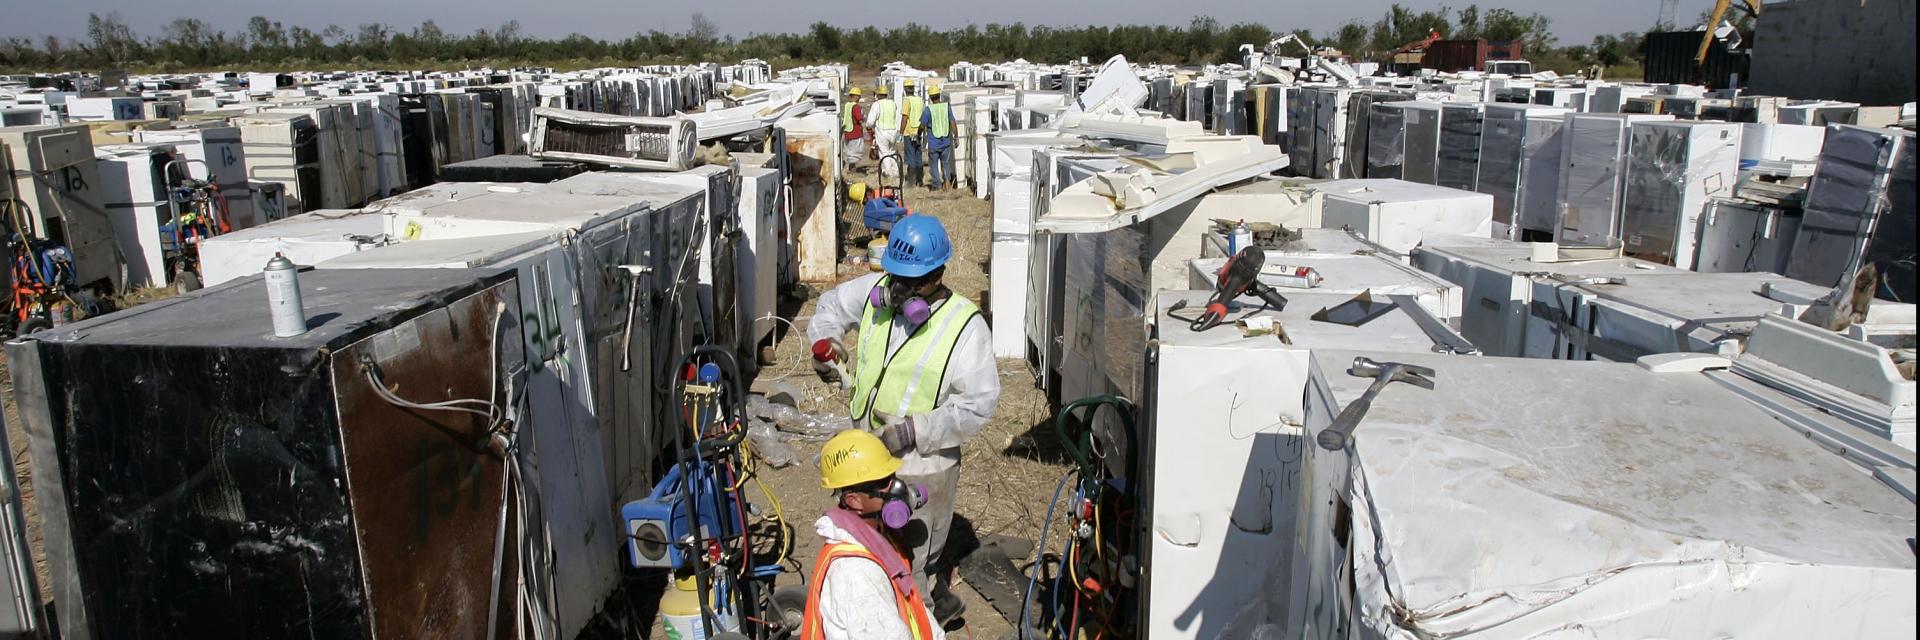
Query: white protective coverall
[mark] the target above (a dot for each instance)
(966, 401)
(886, 139)
(856, 599)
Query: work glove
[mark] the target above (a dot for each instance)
(897, 433)
(826, 352)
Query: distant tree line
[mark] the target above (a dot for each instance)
(193, 44)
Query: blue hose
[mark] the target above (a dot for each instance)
(1033, 580)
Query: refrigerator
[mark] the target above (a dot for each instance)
(1739, 236)
(647, 226)
(1012, 160)
(1496, 278)
(337, 152)
(1593, 176)
(1458, 162)
(1331, 126)
(306, 239)
(135, 189)
(760, 254)
(1220, 452)
(55, 175)
(1356, 158)
(1386, 140)
(1423, 142)
(719, 235)
(284, 148)
(1348, 274)
(214, 154)
(1399, 215)
(273, 475)
(1655, 314)
(1530, 493)
(1859, 208)
(1229, 106)
(1673, 170)
(1573, 98)
(562, 452)
(1519, 166)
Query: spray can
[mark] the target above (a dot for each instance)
(283, 297)
(1240, 238)
(1280, 275)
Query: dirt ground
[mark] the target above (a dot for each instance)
(1007, 472)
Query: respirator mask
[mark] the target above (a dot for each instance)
(902, 499)
(901, 295)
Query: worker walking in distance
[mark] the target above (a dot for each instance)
(884, 119)
(937, 121)
(912, 137)
(924, 380)
(862, 586)
(853, 129)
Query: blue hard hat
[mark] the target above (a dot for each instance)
(917, 246)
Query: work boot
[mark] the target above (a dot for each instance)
(947, 607)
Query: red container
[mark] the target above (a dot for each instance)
(1461, 55)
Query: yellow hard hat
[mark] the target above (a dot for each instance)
(933, 89)
(854, 457)
(854, 91)
(857, 192)
(882, 90)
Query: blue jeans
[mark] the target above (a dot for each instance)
(940, 164)
(910, 148)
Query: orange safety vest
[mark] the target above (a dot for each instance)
(913, 608)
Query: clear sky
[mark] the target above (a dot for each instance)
(1574, 21)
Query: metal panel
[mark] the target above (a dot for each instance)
(20, 615)
(1458, 164)
(1844, 201)
(1423, 142)
(224, 506)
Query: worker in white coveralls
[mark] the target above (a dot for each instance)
(884, 119)
(862, 586)
(924, 380)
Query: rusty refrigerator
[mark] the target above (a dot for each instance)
(219, 482)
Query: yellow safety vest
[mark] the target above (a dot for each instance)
(907, 383)
(914, 105)
(942, 120)
(846, 116)
(886, 115)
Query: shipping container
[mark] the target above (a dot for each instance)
(1670, 58)
(1465, 55)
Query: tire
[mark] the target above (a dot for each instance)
(187, 282)
(791, 602)
(33, 325)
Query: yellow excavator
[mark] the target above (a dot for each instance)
(1720, 7)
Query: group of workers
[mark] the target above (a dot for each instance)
(911, 133)
(924, 382)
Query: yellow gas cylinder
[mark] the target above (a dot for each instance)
(680, 612)
(876, 249)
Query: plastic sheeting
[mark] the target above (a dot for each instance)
(1524, 499)
(1594, 175)
(1848, 195)
(1673, 170)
